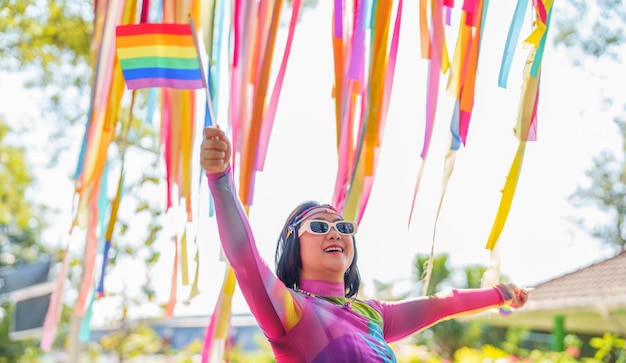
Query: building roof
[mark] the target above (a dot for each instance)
(592, 300)
(601, 283)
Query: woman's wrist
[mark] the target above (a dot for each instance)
(505, 293)
(215, 176)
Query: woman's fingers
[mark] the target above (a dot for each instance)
(520, 298)
(214, 145)
(213, 131)
(215, 150)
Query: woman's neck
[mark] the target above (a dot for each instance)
(323, 288)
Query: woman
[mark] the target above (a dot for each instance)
(308, 310)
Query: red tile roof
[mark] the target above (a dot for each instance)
(592, 300)
(601, 283)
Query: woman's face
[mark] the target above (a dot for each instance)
(327, 256)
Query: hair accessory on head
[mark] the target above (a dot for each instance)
(326, 208)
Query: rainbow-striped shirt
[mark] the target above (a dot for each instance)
(304, 328)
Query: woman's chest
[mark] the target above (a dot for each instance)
(329, 332)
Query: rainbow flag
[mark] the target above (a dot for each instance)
(158, 55)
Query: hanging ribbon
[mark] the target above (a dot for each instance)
(250, 146)
(357, 159)
(255, 27)
(507, 196)
(91, 250)
(511, 42)
(115, 205)
(437, 63)
(526, 128)
(55, 306)
(270, 113)
(447, 173)
(171, 303)
(217, 331)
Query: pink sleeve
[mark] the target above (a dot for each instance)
(257, 282)
(403, 318)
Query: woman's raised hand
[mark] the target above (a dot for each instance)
(215, 151)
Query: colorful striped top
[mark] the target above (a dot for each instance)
(317, 327)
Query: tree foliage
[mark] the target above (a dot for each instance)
(606, 192)
(440, 271)
(20, 229)
(594, 29)
(128, 343)
(20, 226)
(15, 351)
(50, 42)
(591, 28)
(446, 337)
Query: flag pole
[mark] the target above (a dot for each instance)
(196, 43)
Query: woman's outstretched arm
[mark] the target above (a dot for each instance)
(407, 317)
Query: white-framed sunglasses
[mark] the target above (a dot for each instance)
(320, 226)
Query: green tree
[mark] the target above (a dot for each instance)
(446, 337)
(20, 226)
(50, 43)
(132, 342)
(443, 338)
(19, 235)
(591, 28)
(606, 192)
(610, 348)
(440, 272)
(593, 31)
(263, 354)
(474, 275)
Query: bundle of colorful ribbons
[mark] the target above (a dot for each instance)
(174, 48)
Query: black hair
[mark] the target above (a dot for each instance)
(289, 262)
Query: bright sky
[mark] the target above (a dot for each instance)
(537, 244)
